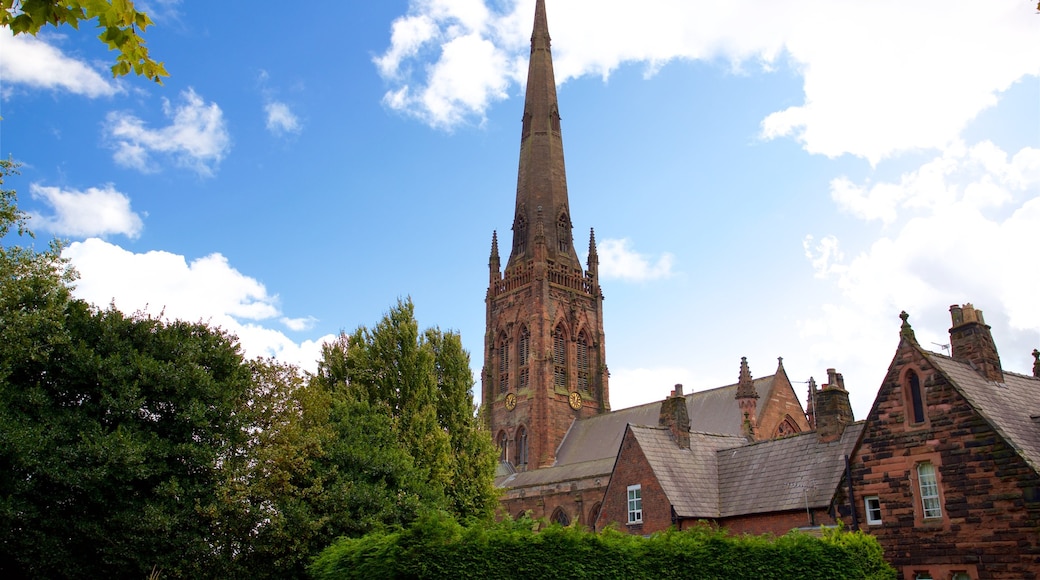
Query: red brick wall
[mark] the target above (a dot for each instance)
(776, 523)
(631, 469)
(781, 403)
(579, 500)
(991, 515)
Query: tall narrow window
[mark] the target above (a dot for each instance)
(521, 446)
(916, 398)
(520, 235)
(635, 504)
(563, 233)
(524, 348)
(502, 442)
(559, 357)
(929, 490)
(582, 359)
(503, 364)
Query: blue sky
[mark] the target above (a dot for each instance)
(765, 179)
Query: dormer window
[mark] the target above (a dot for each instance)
(520, 235)
(563, 233)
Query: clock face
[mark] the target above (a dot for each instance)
(575, 400)
(510, 401)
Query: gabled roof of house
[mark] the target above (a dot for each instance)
(689, 477)
(1011, 407)
(784, 474)
(711, 411)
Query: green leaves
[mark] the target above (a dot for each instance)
(120, 22)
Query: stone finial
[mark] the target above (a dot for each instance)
(905, 330)
(1036, 363)
(494, 246)
(745, 385)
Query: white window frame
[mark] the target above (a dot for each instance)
(635, 504)
(870, 511)
(928, 483)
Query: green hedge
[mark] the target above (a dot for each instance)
(438, 547)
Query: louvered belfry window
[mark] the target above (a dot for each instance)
(559, 358)
(583, 362)
(503, 366)
(525, 352)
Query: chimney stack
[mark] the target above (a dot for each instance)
(972, 342)
(676, 417)
(832, 407)
(1036, 363)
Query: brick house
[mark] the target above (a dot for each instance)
(668, 475)
(946, 471)
(943, 470)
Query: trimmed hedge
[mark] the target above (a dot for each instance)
(438, 547)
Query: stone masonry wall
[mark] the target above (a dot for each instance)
(990, 524)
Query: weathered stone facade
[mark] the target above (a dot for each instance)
(544, 351)
(984, 520)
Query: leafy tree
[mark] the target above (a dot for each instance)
(114, 429)
(424, 383)
(120, 22)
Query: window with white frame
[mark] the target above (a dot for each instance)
(960, 576)
(929, 490)
(922, 576)
(873, 509)
(635, 504)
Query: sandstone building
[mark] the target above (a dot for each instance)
(943, 470)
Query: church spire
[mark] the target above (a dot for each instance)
(541, 188)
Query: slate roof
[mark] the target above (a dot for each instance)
(711, 411)
(783, 474)
(689, 477)
(591, 445)
(1011, 407)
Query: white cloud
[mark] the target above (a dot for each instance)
(877, 81)
(618, 260)
(30, 61)
(981, 177)
(281, 119)
(207, 289)
(196, 138)
(826, 256)
(94, 212)
(962, 229)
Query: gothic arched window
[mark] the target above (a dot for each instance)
(503, 364)
(520, 235)
(582, 360)
(502, 442)
(560, 357)
(521, 446)
(915, 398)
(524, 348)
(560, 517)
(563, 233)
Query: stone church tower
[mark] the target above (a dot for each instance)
(544, 357)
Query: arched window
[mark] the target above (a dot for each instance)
(520, 234)
(563, 233)
(582, 359)
(560, 517)
(503, 364)
(785, 428)
(594, 515)
(560, 357)
(502, 441)
(521, 446)
(915, 398)
(524, 348)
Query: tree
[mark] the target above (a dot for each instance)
(114, 429)
(120, 22)
(423, 383)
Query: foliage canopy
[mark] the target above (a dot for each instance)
(121, 25)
